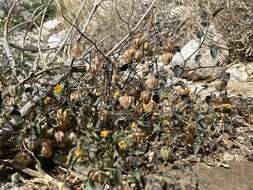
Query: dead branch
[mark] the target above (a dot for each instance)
(6, 41)
(132, 30)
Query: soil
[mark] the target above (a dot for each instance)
(238, 177)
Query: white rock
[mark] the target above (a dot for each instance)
(56, 39)
(190, 50)
(240, 87)
(203, 53)
(51, 25)
(240, 72)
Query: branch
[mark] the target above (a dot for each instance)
(133, 30)
(40, 31)
(41, 176)
(86, 37)
(6, 41)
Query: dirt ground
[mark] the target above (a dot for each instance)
(238, 177)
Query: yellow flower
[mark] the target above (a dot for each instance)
(122, 145)
(58, 89)
(227, 107)
(165, 123)
(116, 93)
(79, 152)
(133, 125)
(104, 133)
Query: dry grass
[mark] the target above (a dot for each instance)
(233, 20)
(111, 21)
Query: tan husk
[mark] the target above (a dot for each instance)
(126, 101)
(145, 96)
(63, 117)
(166, 58)
(151, 82)
(23, 158)
(128, 55)
(46, 149)
(137, 43)
(149, 107)
(138, 56)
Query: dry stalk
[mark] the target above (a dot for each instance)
(6, 43)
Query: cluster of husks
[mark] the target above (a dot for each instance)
(167, 52)
(138, 50)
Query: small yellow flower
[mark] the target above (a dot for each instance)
(165, 123)
(227, 107)
(79, 152)
(104, 133)
(122, 145)
(133, 125)
(116, 93)
(58, 89)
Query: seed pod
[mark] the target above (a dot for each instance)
(219, 84)
(60, 138)
(186, 91)
(49, 132)
(98, 176)
(166, 153)
(116, 78)
(151, 156)
(128, 55)
(147, 46)
(104, 115)
(166, 58)
(98, 60)
(138, 56)
(149, 107)
(126, 101)
(63, 117)
(137, 43)
(48, 100)
(46, 150)
(168, 47)
(137, 137)
(151, 82)
(76, 51)
(94, 70)
(145, 96)
(72, 138)
(23, 158)
(182, 91)
(32, 143)
(149, 53)
(74, 96)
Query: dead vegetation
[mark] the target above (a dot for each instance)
(96, 110)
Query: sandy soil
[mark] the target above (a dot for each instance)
(238, 177)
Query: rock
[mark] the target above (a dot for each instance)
(51, 36)
(240, 88)
(51, 25)
(172, 179)
(195, 55)
(56, 39)
(241, 79)
(241, 71)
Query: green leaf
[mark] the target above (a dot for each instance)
(197, 145)
(89, 185)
